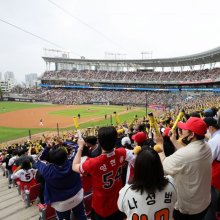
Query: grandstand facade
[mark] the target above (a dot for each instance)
(139, 75)
(163, 82)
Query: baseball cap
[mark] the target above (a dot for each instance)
(211, 122)
(208, 113)
(139, 137)
(125, 140)
(194, 124)
(166, 131)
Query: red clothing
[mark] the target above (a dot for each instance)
(26, 178)
(216, 174)
(87, 184)
(14, 168)
(105, 171)
(28, 184)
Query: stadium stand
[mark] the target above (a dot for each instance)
(189, 76)
(76, 82)
(11, 205)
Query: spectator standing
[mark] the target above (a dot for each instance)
(94, 149)
(7, 165)
(190, 166)
(23, 156)
(25, 174)
(150, 195)
(214, 143)
(106, 171)
(63, 188)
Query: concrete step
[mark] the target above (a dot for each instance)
(11, 205)
(25, 214)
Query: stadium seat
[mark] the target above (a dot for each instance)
(87, 188)
(28, 184)
(32, 194)
(18, 187)
(46, 212)
(88, 204)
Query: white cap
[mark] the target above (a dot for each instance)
(125, 140)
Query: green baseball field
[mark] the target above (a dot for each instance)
(18, 120)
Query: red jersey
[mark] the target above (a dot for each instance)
(106, 171)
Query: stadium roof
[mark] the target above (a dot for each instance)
(207, 57)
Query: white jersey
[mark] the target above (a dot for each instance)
(158, 205)
(24, 175)
(12, 160)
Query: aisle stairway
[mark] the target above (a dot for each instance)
(11, 205)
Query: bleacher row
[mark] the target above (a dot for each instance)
(15, 204)
(194, 75)
(11, 205)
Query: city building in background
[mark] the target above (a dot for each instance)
(6, 86)
(31, 79)
(9, 76)
(8, 82)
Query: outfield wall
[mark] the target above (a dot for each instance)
(23, 100)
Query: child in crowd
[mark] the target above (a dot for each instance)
(25, 174)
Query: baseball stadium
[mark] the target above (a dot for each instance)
(96, 89)
(77, 98)
(118, 118)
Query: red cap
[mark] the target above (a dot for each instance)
(194, 124)
(139, 137)
(166, 131)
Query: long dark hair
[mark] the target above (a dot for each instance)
(148, 172)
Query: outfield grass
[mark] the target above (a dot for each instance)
(93, 111)
(14, 106)
(128, 117)
(7, 134)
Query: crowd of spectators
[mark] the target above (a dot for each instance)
(162, 98)
(188, 162)
(176, 76)
(64, 96)
(62, 157)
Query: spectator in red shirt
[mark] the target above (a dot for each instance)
(106, 172)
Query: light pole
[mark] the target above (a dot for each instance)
(146, 103)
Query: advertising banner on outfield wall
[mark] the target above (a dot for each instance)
(21, 99)
(157, 107)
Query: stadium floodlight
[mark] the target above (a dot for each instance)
(115, 56)
(56, 53)
(146, 55)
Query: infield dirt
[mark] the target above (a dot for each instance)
(30, 118)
